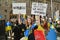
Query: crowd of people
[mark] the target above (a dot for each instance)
(31, 25)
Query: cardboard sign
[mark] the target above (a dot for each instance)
(57, 15)
(19, 8)
(39, 9)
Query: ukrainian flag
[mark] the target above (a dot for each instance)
(8, 26)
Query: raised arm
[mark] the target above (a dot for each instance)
(19, 20)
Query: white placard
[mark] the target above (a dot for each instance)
(39, 9)
(19, 8)
(57, 15)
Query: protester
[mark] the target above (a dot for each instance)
(39, 33)
(52, 32)
(19, 29)
(45, 25)
(31, 36)
(32, 27)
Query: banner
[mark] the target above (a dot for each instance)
(39, 9)
(19, 8)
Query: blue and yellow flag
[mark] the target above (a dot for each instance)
(8, 26)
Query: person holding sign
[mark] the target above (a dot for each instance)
(19, 29)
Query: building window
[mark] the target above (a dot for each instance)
(0, 4)
(5, 10)
(6, 3)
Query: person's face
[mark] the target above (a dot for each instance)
(29, 20)
(32, 17)
(26, 22)
(37, 20)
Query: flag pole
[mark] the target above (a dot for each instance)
(51, 9)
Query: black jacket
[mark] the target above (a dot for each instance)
(18, 33)
(31, 36)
